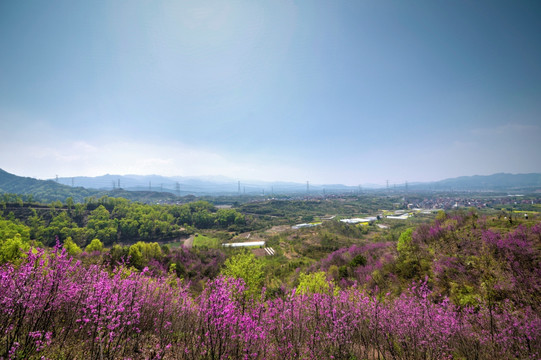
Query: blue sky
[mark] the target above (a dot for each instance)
(350, 92)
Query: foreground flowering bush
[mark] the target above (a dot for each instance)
(53, 307)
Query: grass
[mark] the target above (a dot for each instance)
(202, 240)
(174, 244)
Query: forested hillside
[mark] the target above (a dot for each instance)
(29, 190)
(117, 220)
(42, 190)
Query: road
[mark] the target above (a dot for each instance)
(188, 244)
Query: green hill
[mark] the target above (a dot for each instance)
(48, 190)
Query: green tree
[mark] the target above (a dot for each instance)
(69, 203)
(441, 215)
(10, 228)
(71, 247)
(314, 283)
(12, 249)
(104, 227)
(203, 219)
(136, 257)
(95, 245)
(226, 217)
(358, 260)
(183, 214)
(119, 254)
(129, 228)
(59, 226)
(404, 245)
(141, 253)
(247, 267)
(410, 263)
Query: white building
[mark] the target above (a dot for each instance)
(248, 243)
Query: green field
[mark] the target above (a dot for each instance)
(174, 244)
(202, 240)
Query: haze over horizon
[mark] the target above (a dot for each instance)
(331, 92)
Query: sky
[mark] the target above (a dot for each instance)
(351, 92)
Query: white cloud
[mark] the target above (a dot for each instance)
(85, 158)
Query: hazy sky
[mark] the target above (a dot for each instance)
(349, 92)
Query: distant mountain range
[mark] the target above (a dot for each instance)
(495, 182)
(49, 190)
(217, 185)
(226, 186)
(155, 188)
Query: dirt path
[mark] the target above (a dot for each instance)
(188, 244)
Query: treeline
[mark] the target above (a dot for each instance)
(311, 209)
(113, 220)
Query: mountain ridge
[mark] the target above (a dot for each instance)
(154, 188)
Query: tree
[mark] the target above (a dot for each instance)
(247, 267)
(9, 228)
(104, 227)
(203, 219)
(314, 283)
(404, 245)
(410, 262)
(136, 257)
(71, 247)
(225, 217)
(11, 249)
(59, 226)
(358, 260)
(129, 228)
(95, 245)
(69, 203)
